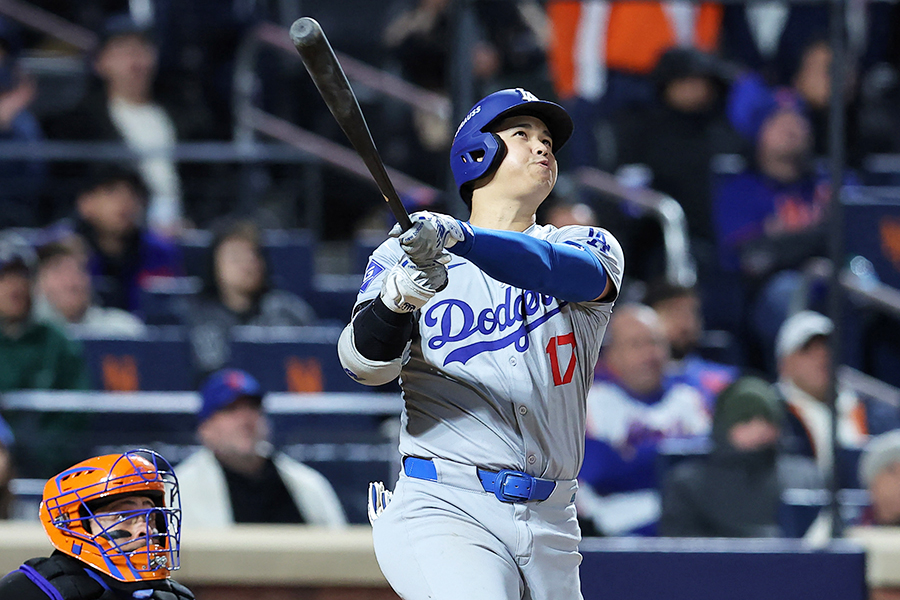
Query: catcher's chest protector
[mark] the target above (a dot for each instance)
(64, 578)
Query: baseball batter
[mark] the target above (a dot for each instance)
(495, 344)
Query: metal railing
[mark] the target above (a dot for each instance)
(680, 267)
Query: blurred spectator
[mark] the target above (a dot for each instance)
(237, 476)
(602, 54)
(237, 291)
(771, 218)
(124, 109)
(563, 213)
(804, 378)
(879, 472)
(771, 37)
(675, 138)
(122, 253)
(812, 82)
(680, 311)
(64, 295)
(736, 490)
(631, 408)
(6, 468)
(33, 355)
(20, 180)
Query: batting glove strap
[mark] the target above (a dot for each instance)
(409, 287)
(429, 235)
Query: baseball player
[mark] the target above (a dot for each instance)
(115, 521)
(494, 327)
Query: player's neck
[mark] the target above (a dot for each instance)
(506, 214)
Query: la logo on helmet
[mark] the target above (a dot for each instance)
(527, 96)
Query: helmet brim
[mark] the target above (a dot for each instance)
(553, 115)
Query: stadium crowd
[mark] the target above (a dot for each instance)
(710, 399)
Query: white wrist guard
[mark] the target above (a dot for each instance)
(407, 287)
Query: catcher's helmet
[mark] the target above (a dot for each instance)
(477, 152)
(74, 498)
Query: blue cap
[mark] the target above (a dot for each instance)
(224, 387)
(751, 102)
(6, 435)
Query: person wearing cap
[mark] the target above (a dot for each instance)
(879, 473)
(804, 377)
(770, 217)
(237, 476)
(735, 491)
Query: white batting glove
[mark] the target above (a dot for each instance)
(429, 235)
(408, 287)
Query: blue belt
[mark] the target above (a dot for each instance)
(507, 485)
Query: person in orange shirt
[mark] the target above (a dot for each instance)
(602, 53)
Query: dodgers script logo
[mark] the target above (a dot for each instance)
(458, 322)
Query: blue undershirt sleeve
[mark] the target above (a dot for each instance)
(565, 271)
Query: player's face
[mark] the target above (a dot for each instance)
(129, 531)
(529, 166)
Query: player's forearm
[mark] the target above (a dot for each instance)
(564, 271)
(380, 333)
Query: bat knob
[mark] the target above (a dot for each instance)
(305, 31)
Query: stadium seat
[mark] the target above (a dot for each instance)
(161, 296)
(161, 361)
(292, 359)
(290, 255)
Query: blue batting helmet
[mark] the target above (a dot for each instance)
(477, 152)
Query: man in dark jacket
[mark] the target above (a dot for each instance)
(115, 522)
(736, 490)
(122, 254)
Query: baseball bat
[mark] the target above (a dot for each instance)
(326, 72)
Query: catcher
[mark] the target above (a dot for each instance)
(115, 521)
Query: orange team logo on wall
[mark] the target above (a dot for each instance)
(303, 375)
(889, 228)
(120, 373)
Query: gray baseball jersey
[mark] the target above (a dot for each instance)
(497, 376)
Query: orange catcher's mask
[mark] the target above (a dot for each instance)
(119, 513)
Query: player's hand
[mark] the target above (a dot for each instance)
(429, 235)
(408, 287)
